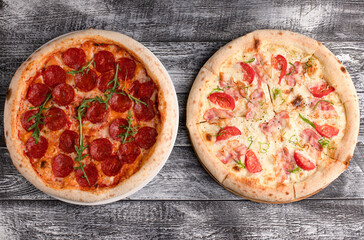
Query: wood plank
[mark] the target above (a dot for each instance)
(315, 219)
(183, 60)
(183, 178)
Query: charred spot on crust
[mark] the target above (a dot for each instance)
(270, 194)
(96, 44)
(298, 101)
(8, 94)
(6, 133)
(256, 43)
(348, 159)
(236, 168)
(208, 137)
(343, 69)
(280, 33)
(287, 193)
(43, 164)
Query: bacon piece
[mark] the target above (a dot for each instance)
(230, 87)
(280, 121)
(283, 163)
(312, 138)
(214, 114)
(231, 151)
(296, 75)
(255, 105)
(323, 109)
(258, 67)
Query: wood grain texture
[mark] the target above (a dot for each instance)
(312, 219)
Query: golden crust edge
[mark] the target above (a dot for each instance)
(165, 138)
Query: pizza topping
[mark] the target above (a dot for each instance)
(63, 94)
(325, 105)
(280, 121)
(252, 163)
(280, 63)
(283, 163)
(320, 90)
(37, 93)
(214, 114)
(36, 150)
(28, 120)
(227, 132)
(104, 61)
(298, 101)
(100, 149)
(144, 111)
(326, 130)
(127, 68)
(303, 162)
(111, 166)
(103, 81)
(312, 138)
(128, 152)
(117, 127)
(86, 81)
(82, 70)
(96, 112)
(74, 57)
(62, 165)
(231, 151)
(287, 159)
(88, 177)
(120, 102)
(255, 104)
(278, 93)
(54, 75)
(55, 119)
(146, 137)
(263, 147)
(141, 90)
(68, 141)
(248, 72)
(295, 70)
(129, 130)
(223, 100)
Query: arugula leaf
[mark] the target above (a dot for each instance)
(130, 131)
(293, 70)
(249, 61)
(239, 163)
(81, 70)
(37, 118)
(314, 108)
(307, 121)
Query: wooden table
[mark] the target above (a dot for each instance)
(182, 201)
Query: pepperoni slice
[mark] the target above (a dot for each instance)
(91, 173)
(86, 81)
(63, 94)
(127, 69)
(37, 93)
(227, 132)
(223, 100)
(279, 62)
(141, 90)
(146, 137)
(54, 75)
(120, 103)
(96, 112)
(36, 150)
(144, 112)
(100, 149)
(327, 130)
(128, 152)
(67, 141)
(252, 163)
(74, 58)
(111, 166)
(27, 124)
(303, 162)
(320, 90)
(55, 119)
(103, 81)
(249, 72)
(62, 165)
(104, 61)
(116, 128)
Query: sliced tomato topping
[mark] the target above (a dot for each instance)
(326, 130)
(279, 62)
(303, 162)
(227, 132)
(252, 163)
(249, 72)
(223, 100)
(320, 90)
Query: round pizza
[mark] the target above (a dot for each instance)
(273, 116)
(90, 116)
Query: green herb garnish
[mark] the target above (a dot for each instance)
(263, 147)
(81, 70)
(130, 131)
(314, 108)
(249, 61)
(250, 139)
(38, 118)
(307, 121)
(217, 89)
(307, 64)
(277, 92)
(293, 70)
(296, 170)
(239, 163)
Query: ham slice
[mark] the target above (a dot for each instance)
(312, 138)
(214, 114)
(296, 76)
(323, 109)
(280, 121)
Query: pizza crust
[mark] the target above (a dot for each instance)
(168, 109)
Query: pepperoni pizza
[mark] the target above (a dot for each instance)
(90, 116)
(273, 116)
